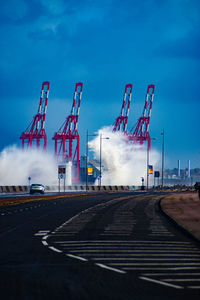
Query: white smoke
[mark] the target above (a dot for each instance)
(16, 165)
(123, 164)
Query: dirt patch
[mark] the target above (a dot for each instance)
(185, 210)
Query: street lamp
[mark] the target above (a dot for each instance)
(86, 169)
(101, 138)
(163, 142)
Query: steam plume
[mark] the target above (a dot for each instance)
(123, 164)
(16, 165)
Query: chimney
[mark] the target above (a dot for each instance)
(179, 168)
(189, 168)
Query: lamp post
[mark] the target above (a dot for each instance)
(86, 173)
(163, 143)
(86, 167)
(101, 138)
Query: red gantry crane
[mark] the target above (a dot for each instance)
(68, 133)
(35, 131)
(140, 132)
(121, 121)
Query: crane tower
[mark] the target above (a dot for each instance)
(68, 133)
(36, 131)
(121, 121)
(140, 132)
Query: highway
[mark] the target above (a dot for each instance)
(95, 246)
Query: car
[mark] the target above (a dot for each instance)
(37, 188)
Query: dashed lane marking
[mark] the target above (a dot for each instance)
(44, 243)
(54, 249)
(42, 233)
(77, 257)
(161, 282)
(110, 268)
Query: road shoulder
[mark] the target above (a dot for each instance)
(184, 209)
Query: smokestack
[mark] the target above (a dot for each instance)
(189, 168)
(179, 168)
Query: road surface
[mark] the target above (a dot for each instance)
(96, 246)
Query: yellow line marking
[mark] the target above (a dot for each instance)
(21, 200)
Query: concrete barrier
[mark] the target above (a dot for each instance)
(93, 188)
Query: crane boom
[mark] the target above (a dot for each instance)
(122, 120)
(36, 129)
(68, 132)
(140, 132)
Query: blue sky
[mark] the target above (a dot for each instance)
(104, 44)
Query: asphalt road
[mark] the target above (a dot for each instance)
(96, 246)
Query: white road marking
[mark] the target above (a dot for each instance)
(145, 255)
(193, 287)
(183, 279)
(170, 243)
(54, 249)
(77, 257)
(146, 259)
(173, 274)
(115, 234)
(156, 264)
(111, 269)
(162, 283)
(42, 232)
(161, 269)
(160, 234)
(129, 247)
(133, 251)
(44, 243)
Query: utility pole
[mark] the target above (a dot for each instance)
(163, 144)
(100, 158)
(86, 167)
